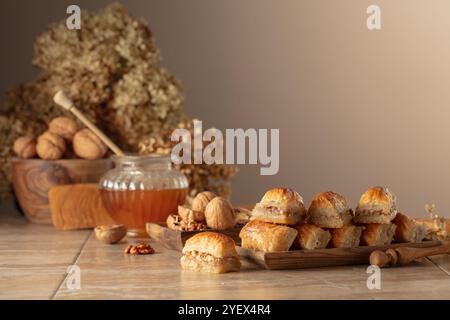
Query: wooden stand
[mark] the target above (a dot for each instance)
(175, 240)
(405, 255)
(299, 259)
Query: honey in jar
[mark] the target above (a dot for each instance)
(142, 189)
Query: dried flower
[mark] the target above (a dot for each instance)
(111, 69)
(437, 226)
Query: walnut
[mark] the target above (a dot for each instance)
(88, 146)
(110, 233)
(25, 147)
(64, 127)
(188, 214)
(191, 226)
(242, 215)
(219, 214)
(173, 221)
(140, 248)
(201, 200)
(50, 146)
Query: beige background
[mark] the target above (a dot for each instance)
(355, 107)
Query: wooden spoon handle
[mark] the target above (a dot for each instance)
(382, 259)
(64, 101)
(405, 255)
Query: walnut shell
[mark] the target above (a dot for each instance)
(219, 214)
(242, 215)
(25, 147)
(110, 233)
(50, 146)
(189, 215)
(87, 145)
(173, 222)
(201, 200)
(64, 127)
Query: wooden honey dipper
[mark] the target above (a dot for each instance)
(64, 101)
(405, 255)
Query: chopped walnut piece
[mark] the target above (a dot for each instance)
(192, 226)
(140, 248)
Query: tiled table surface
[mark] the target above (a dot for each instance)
(34, 260)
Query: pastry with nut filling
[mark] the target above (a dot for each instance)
(345, 237)
(266, 236)
(376, 205)
(378, 234)
(280, 205)
(311, 237)
(329, 210)
(408, 230)
(210, 252)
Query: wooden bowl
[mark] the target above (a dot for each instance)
(33, 178)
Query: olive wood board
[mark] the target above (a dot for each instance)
(300, 259)
(77, 206)
(175, 239)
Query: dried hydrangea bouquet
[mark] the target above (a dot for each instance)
(111, 68)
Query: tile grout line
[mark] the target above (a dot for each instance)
(438, 266)
(74, 261)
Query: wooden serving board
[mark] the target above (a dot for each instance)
(77, 206)
(300, 259)
(175, 240)
(33, 178)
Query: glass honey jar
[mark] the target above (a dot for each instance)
(142, 189)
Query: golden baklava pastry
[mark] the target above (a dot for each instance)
(266, 236)
(329, 210)
(408, 230)
(210, 252)
(376, 205)
(377, 234)
(280, 205)
(345, 237)
(311, 237)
